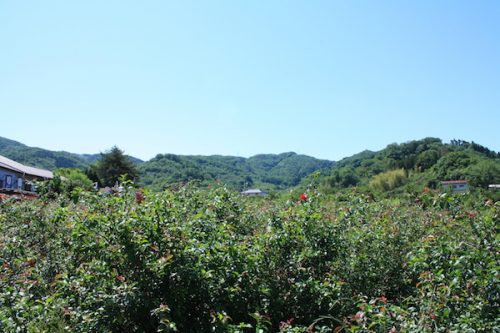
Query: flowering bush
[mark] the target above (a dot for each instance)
(213, 261)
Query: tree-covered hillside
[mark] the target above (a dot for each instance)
(48, 159)
(265, 171)
(417, 164)
(408, 166)
(39, 157)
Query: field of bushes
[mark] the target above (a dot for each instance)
(210, 260)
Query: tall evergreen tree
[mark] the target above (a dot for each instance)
(114, 164)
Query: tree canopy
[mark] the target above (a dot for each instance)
(425, 162)
(113, 165)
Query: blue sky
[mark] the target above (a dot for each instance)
(323, 78)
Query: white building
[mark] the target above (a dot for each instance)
(255, 192)
(456, 186)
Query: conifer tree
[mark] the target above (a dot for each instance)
(114, 164)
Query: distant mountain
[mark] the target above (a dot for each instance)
(39, 157)
(47, 159)
(267, 171)
(424, 164)
(410, 165)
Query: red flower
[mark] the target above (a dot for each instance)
(472, 214)
(139, 196)
(303, 197)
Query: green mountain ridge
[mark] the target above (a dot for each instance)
(39, 157)
(416, 164)
(410, 165)
(267, 171)
(48, 159)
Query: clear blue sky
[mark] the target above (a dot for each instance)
(323, 78)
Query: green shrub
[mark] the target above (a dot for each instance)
(213, 261)
(388, 180)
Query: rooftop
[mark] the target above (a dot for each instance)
(252, 191)
(24, 169)
(447, 182)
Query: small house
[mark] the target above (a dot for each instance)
(255, 192)
(456, 186)
(17, 178)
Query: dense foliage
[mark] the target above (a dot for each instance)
(113, 166)
(39, 157)
(212, 261)
(72, 179)
(264, 171)
(425, 162)
(47, 159)
(267, 171)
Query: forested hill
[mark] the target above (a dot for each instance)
(266, 171)
(417, 164)
(414, 164)
(48, 159)
(39, 157)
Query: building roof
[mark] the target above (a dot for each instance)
(450, 182)
(24, 169)
(253, 191)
